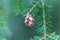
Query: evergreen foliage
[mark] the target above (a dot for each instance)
(42, 12)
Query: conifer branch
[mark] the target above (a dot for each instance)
(44, 20)
(42, 38)
(33, 7)
(51, 37)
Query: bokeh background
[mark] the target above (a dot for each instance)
(15, 28)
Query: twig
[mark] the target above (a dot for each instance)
(42, 38)
(33, 7)
(44, 21)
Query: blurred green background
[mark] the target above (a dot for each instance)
(16, 26)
